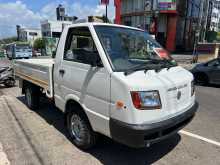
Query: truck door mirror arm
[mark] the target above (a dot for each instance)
(53, 54)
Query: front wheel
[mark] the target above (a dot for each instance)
(80, 130)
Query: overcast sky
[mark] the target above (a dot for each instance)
(29, 13)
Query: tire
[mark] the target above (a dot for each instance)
(32, 97)
(80, 130)
(9, 82)
(201, 79)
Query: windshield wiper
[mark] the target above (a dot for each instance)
(156, 65)
(142, 67)
(165, 63)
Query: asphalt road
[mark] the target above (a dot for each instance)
(40, 137)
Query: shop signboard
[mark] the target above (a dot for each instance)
(147, 5)
(167, 5)
(207, 48)
(105, 2)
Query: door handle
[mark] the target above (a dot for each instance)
(62, 71)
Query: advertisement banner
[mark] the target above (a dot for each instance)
(147, 5)
(167, 5)
(105, 2)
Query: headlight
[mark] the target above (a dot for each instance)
(146, 100)
(192, 88)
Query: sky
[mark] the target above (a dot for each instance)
(29, 13)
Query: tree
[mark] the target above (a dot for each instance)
(8, 40)
(39, 43)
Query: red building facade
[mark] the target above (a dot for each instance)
(160, 16)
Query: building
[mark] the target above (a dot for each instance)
(215, 16)
(156, 17)
(192, 23)
(51, 32)
(28, 34)
(60, 11)
(53, 28)
(62, 16)
(175, 23)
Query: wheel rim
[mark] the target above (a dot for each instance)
(76, 127)
(28, 97)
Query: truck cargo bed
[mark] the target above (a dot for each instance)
(36, 71)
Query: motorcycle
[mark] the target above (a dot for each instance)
(6, 76)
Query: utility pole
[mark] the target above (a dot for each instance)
(186, 21)
(106, 13)
(106, 3)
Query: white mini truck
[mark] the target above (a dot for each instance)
(112, 80)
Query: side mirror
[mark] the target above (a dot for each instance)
(95, 60)
(216, 64)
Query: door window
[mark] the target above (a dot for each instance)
(79, 45)
(214, 63)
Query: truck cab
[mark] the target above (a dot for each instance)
(118, 81)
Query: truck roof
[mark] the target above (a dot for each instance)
(102, 24)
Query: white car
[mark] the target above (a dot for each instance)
(112, 80)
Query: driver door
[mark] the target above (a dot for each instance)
(78, 80)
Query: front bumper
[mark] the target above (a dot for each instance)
(138, 136)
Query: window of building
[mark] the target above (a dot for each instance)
(33, 33)
(56, 34)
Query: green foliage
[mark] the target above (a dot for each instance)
(39, 43)
(211, 36)
(8, 40)
(218, 36)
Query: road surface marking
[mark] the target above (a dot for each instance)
(3, 157)
(200, 138)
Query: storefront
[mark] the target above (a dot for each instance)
(158, 18)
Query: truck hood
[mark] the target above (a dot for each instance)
(139, 81)
(169, 82)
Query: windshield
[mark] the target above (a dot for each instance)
(21, 48)
(129, 48)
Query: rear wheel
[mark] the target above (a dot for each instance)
(32, 96)
(80, 130)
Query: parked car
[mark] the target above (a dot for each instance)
(36, 53)
(113, 80)
(6, 76)
(207, 73)
(2, 54)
